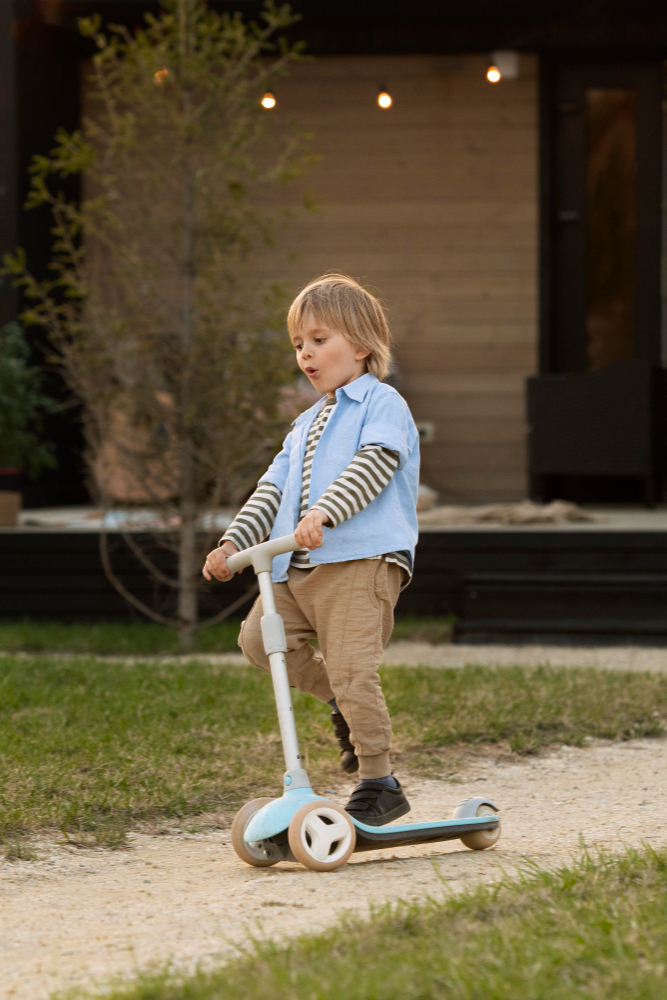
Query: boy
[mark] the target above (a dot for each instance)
(351, 465)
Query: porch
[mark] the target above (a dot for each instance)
(602, 581)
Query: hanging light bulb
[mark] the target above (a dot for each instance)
(268, 100)
(384, 98)
(503, 65)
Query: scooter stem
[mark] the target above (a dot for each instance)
(273, 633)
(260, 557)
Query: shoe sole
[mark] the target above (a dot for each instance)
(387, 818)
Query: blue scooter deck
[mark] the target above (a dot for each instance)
(372, 838)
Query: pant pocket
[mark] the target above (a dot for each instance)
(376, 579)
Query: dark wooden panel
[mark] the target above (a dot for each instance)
(380, 27)
(47, 98)
(607, 423)
(499, 583)
(59, 575)
(9, 205)
(565, 584)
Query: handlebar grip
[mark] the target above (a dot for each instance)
(260, 557)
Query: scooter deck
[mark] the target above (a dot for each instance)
(372, 838)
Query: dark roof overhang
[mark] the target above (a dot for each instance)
(433, 26)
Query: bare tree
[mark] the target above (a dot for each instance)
(159, 318)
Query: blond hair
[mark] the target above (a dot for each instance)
(342, 304)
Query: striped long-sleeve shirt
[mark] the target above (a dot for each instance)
(364, 478)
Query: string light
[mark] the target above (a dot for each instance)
(161, 75)
(268, 100)
(384, 98)
(503, 65)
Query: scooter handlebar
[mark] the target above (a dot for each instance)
(260, 557)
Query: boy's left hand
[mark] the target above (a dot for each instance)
(308, 531)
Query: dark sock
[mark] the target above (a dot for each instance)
(388, 779)
(333, 705)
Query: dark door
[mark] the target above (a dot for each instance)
(601, 216)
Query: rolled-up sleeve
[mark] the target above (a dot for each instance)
(387, 423)
(279, 468)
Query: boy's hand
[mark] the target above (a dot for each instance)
(216, 562)
(309, 530)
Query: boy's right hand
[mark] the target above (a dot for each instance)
(216, 562)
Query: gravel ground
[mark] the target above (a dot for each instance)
(413, 654)
(81, 916)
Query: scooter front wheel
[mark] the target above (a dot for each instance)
(321, 836)
(258, 855)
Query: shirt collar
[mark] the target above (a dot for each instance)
(358, 389)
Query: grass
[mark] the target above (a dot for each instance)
(522, 708)
(109, 639)
(594, 930)
(145, 639)
(96, 747)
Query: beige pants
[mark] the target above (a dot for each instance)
(349, 608)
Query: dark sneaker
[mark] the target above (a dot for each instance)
(376, 804)
(348, 758)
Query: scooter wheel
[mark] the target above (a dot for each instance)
(258, 855)
(481, 840)
(321, 836)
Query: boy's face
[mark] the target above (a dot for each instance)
(326, 356)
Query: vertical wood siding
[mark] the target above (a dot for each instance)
(433, 203)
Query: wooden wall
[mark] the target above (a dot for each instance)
(434, 203)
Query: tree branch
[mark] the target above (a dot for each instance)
(152, 289)
(146, 562)
(124, 592)
(231, 609)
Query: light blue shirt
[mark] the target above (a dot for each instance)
(367, 412)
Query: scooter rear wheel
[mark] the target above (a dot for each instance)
(257, 855)
(321, 836)
(481, 840)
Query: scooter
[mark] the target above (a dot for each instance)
(301, 825)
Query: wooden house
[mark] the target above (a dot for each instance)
(464, 203)
(515, 229)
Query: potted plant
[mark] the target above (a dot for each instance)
(22, 410)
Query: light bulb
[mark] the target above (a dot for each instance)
(161, 75)
(504, 64)
(384, 99)
(268, 100)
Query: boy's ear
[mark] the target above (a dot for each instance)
(360, 354)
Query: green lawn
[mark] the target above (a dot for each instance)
(106, 639)
(95, 747)
(595, 930)
(146, 639)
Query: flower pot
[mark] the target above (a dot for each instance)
(10, 505)
(10, 478)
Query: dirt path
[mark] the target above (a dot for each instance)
(82, 916)
(458, 655)
(414, 654)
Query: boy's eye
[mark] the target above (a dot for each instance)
(319, 340)
(297, 347)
